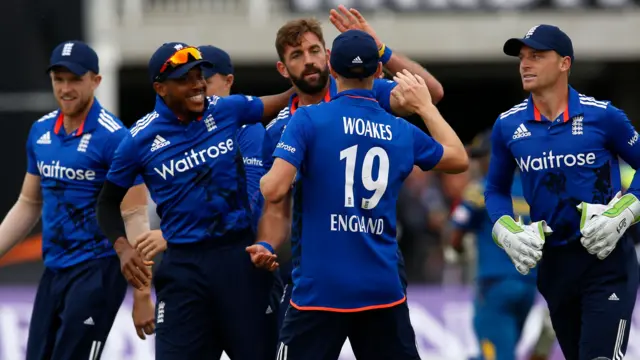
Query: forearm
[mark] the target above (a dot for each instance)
(439, 129)
(634, 187)
(18, 223)
(273, 104)
(399, 62)
(136, 222)
(109, 215)
(274, 226)
(498, 204)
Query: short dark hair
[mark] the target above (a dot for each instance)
(291, 32)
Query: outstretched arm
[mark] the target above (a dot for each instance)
(347, 19)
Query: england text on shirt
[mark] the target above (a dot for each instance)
(352, 157)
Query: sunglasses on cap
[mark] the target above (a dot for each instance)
(180, 57)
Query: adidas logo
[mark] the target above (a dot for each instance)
(158, 143)
(45, 138)
(613, 297)
(521, 132)
(356, 60)
(269, 310)
(89, 321)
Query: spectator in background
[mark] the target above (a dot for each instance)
(422, 212)
(626, 176)
(503, 296)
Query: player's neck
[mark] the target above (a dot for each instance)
(553, 101)
(71, 123)
(312, 99)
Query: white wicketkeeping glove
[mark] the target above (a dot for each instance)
(523, 243)
(602, 226)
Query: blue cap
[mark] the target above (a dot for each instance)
(75, 56)
(164, 53)
(219, 58)
(541, 37)
(354, 55)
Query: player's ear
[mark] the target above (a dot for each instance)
(333, 73)
(160, 88)
(565, 64)
(96, 79)
(328, 55)
(379, 72)
(229, 80)
(282, 69)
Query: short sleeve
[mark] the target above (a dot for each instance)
(293, 143)
(32, 162)
(249, 109)
(125, 168)
(111, 146)
(427, 152)
(382, 89)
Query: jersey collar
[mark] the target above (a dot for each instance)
(574, 108)
(294, 99)
(88, 124)
(163, 110)
(360, 94)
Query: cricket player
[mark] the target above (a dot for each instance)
(219, 80)
(356, 290)
(209, 296)
(304, 61)
(566, 146)
(503, 297)
(69, 152)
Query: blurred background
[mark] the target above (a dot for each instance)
(459, 41)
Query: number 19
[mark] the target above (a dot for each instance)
(379, 185)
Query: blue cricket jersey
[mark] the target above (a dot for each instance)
(563, 161)
(382, 92)
(352, 158)
(72, 168)
(194, 170)
(250, 139)
(471, 215)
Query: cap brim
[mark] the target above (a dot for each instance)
(512, 46)
(184, 69)
(73, 67)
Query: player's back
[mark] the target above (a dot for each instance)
(344, 233)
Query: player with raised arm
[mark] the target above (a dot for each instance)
(69, 152)
(566, 146)
(304, 60)
(358, 294)
(210, 298)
